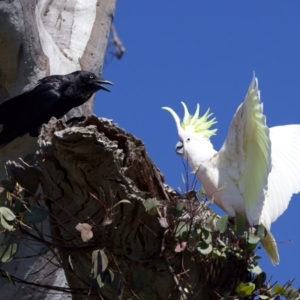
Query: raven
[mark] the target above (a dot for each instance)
(53, 96)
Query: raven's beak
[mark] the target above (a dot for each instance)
(100, 81)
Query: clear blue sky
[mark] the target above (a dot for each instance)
(205, 52)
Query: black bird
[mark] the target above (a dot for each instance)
(53, 96)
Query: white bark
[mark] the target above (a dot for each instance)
(39, 38)
(47, 37)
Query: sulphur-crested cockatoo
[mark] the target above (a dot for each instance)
(257, 170)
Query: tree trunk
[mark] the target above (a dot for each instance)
(41, 38)
(37, 39)
(98, 176)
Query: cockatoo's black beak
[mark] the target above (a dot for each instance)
(179, 148)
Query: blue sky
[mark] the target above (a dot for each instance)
(205, 52)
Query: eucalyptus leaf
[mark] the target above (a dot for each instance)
(8, 278)
(5, 225)
(216, 253)
(204, 248)
(256, 270)
(179, 209)
(239, 226)
(222, 224)
(252, 238)
(7, 252)
(291, 293)
(182, 230)
(35, 214)
(206, 236)
(7, 213)
(260, 279)
(260, 231)
(279, 289)
(150, 205)
(245, 289)
(99, 281)
(100, 272)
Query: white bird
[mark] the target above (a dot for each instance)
(256, 171)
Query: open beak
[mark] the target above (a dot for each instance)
(100, 81)
(179, 148)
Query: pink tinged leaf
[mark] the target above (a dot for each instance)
(85, 230)
(180, 247)
(163, 222)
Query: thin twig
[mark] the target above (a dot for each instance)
(172, 272)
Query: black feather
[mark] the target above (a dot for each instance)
(53, 96)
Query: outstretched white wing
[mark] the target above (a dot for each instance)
(246, 152)
(284, 179)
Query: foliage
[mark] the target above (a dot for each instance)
(14, 212)
(224, 249)
(215, 238)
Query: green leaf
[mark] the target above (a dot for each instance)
(222, 224)
(210, 222)
(179, 209)
(7, 252)
(253, 239)
(256, 270)
(150, 205)
(35, 214)
(8, 278)
(5, 225)
(260, 231)
(204, 248)
(239, 226)
(260, 279)
(206, 236)
(7, 213)
(216, 253)
(99, 261)
(279, 289)
(245, 289)
(221, 242)
(99, 281)
(100, 272)
(182, 230)
(291, 293)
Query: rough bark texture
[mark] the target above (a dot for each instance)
(37, 39)
(86, 173)
(47, 37)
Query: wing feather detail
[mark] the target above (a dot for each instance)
(284, 179)
(247, 148)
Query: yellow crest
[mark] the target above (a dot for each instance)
(194, 123)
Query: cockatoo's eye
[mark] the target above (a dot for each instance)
(188, 139)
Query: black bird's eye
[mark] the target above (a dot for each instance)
(91, 76)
